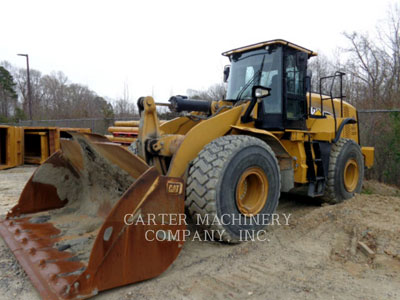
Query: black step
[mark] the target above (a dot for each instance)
(316, 189)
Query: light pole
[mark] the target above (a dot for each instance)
(29, 85)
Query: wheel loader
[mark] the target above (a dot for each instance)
(73, 229)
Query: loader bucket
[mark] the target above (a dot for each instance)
(75, 229)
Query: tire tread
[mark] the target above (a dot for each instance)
(331, 196)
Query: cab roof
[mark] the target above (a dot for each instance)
(267, 43)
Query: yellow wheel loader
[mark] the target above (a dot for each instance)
(96, 216)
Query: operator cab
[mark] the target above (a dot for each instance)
(280, 66)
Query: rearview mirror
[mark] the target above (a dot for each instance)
(227, 69)
(261, 92)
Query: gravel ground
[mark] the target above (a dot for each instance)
(314, 257)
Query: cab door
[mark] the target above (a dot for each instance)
(270, 109)
(295, 105)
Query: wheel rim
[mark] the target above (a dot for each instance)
(351, 175)
(252, 191)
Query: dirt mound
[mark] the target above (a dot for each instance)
(375, 187)
(371, 219)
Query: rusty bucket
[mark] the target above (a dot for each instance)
(73, 229)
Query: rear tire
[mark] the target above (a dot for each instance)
(237, 177)
(346, 171)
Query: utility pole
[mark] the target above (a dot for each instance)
(29, 85)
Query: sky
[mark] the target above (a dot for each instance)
(163, 48)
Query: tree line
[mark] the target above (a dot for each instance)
(54, 96)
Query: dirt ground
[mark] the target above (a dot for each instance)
(314, 257)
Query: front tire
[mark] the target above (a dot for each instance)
(235, 178)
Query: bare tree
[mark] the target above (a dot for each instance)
(320, 66)
(214, 92)
(374, 64)
(389, 38)
(124, 107)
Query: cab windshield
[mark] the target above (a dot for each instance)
(260, 67)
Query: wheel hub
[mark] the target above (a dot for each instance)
(351, 175)
(252, 191)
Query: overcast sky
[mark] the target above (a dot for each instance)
(166, 47)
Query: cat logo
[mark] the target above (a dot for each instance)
(174, 187)
(315, 111)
